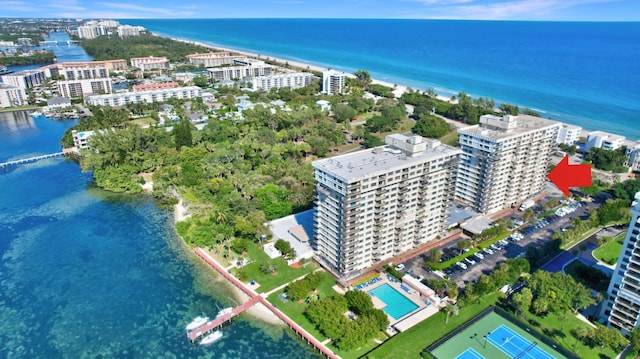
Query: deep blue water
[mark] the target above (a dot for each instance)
(88, 274)
(580, 73)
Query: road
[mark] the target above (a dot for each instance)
(513, 250)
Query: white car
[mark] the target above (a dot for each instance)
(470, 261)
(488, 251)
(461, 265)
(400, 267)
(479, 255)
(420, 278)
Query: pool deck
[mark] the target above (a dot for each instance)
(412, 318)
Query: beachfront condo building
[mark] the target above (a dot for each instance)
(622, 307)
(505, 160)
(604, 140)
(293, 80)
(374, 204)
(568, 134)
(212, 59)
(242, 68)
(333, 82)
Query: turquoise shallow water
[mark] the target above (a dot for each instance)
(89, 274)
(577, 72)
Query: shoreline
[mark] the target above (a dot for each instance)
(258, 310)
(443, 94)
(298, 64)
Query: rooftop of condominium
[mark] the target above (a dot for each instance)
(498, 127)
(401, 151)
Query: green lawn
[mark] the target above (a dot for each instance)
(609, 252)
(268, 281)
(559, 329)
(411, 343)
(450, 138)
(295, 310)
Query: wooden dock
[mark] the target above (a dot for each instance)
(255, 298)
(213, 324)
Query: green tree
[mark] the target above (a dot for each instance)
(522, 300)
(431, 126)
(285, 248)
(344, 113)
(182, 134)
(358, 302)
(363, 77)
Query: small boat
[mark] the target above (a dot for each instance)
(224, 311)
(36, 114)
(196, 323)
(210, 338)
(5, 71)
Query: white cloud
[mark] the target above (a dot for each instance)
(16, 6)
(503, 10)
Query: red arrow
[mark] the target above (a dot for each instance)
(565, 175)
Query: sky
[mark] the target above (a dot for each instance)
(540, 10)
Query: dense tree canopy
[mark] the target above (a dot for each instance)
(114, 47)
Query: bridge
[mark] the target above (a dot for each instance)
(56, 42)
(4, 165)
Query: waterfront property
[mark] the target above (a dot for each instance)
(622, 308)
(377, 203)
(505, 160)
(333, 82)
(492, 335)
(11, 95)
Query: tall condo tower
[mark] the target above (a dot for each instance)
(505, 160)
(374, 204)
(622, 307)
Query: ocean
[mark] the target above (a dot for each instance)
(583, 73)
(89, 274)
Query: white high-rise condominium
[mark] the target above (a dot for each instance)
(505, 160)
(374, 204)
(622, 307)
(333, 82)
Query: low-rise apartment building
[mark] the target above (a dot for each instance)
(604, 140)
(123, 98)
(568, 134)
(150, 63)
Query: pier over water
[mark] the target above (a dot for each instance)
(4, 165)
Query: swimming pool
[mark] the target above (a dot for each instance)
(397, 304)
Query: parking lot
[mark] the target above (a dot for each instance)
(535, 233)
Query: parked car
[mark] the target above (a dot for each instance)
(420, 277)
(400, 267)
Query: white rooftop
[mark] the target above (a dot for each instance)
(398, 153)
(499, 127)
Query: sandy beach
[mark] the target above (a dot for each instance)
(180, 212)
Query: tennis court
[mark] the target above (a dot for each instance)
(515, 346)
(493, 337)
